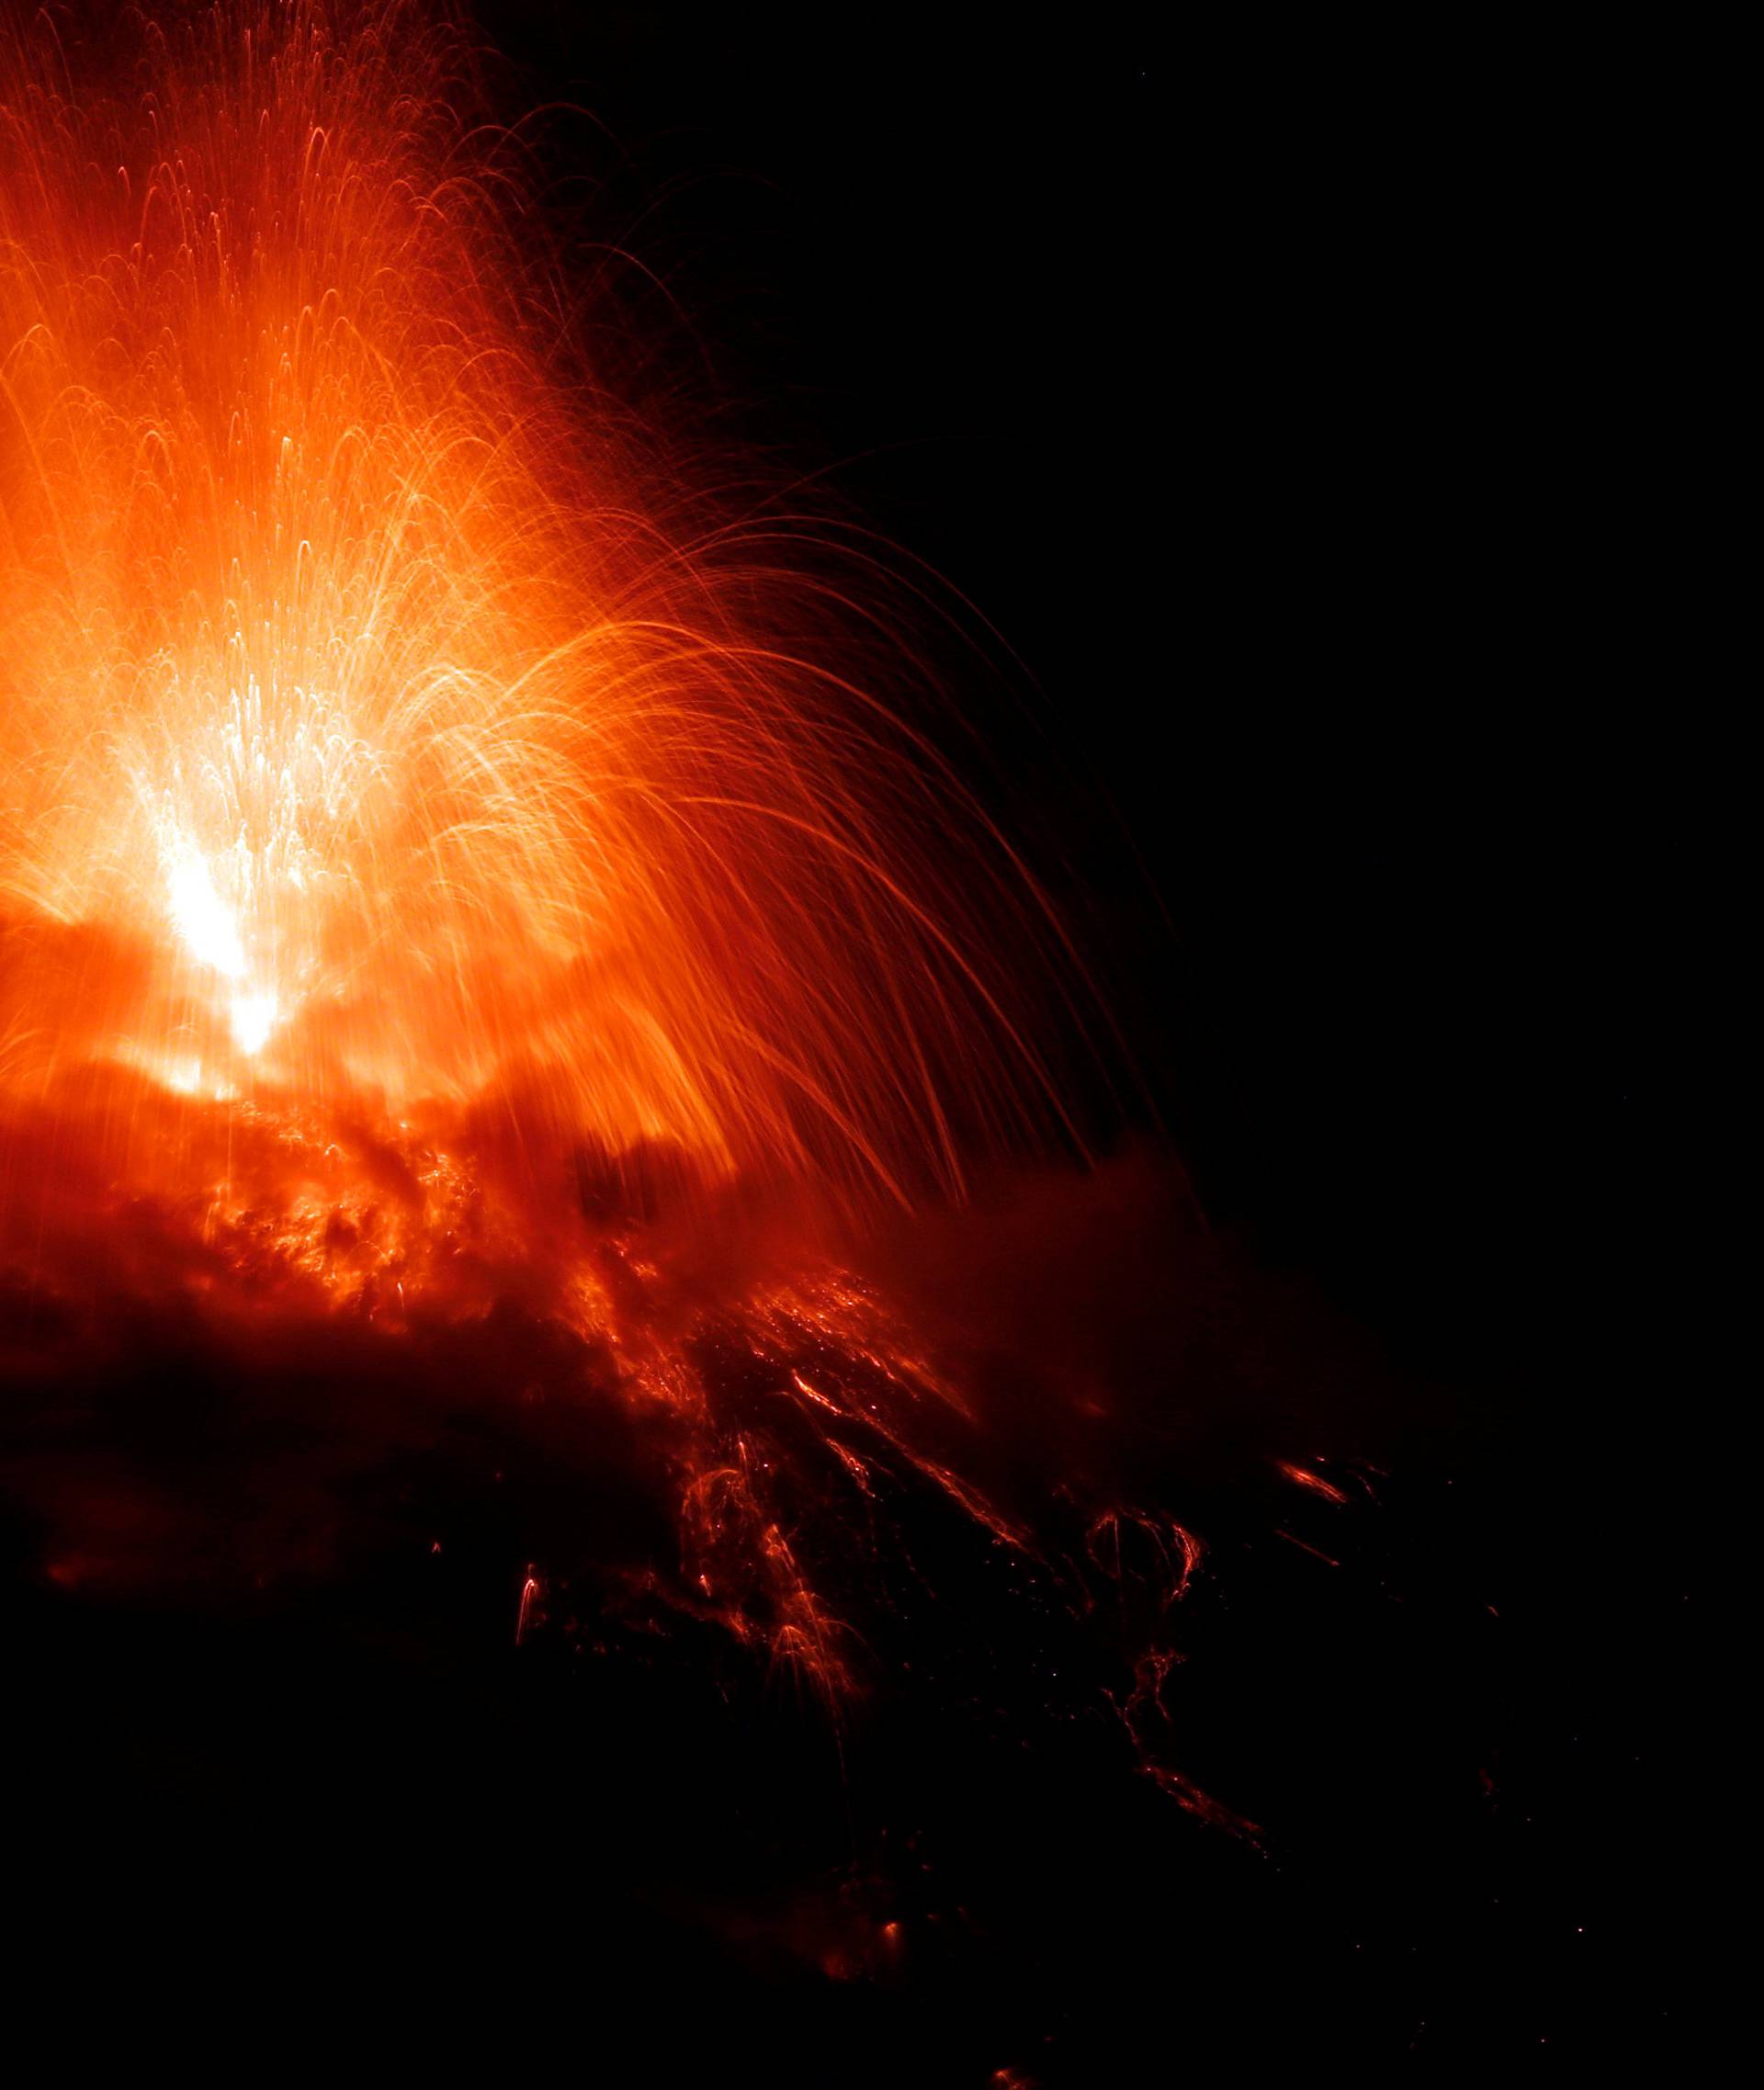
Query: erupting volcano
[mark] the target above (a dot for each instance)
(560, 1107)
(457, 850)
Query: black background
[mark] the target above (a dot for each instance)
(1295, 403)
(1292, 404)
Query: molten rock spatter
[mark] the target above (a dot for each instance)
(399, 716)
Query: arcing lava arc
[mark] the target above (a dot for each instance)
(384, 713)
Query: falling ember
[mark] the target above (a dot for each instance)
(1302, 1476)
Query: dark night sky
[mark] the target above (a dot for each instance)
(1275, 395)
(1259, 392)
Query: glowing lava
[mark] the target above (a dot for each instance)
(210, 931)
(384, 708)
(441, 837)
(428, 823)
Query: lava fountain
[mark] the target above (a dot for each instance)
(381, 716)
(455, 852)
